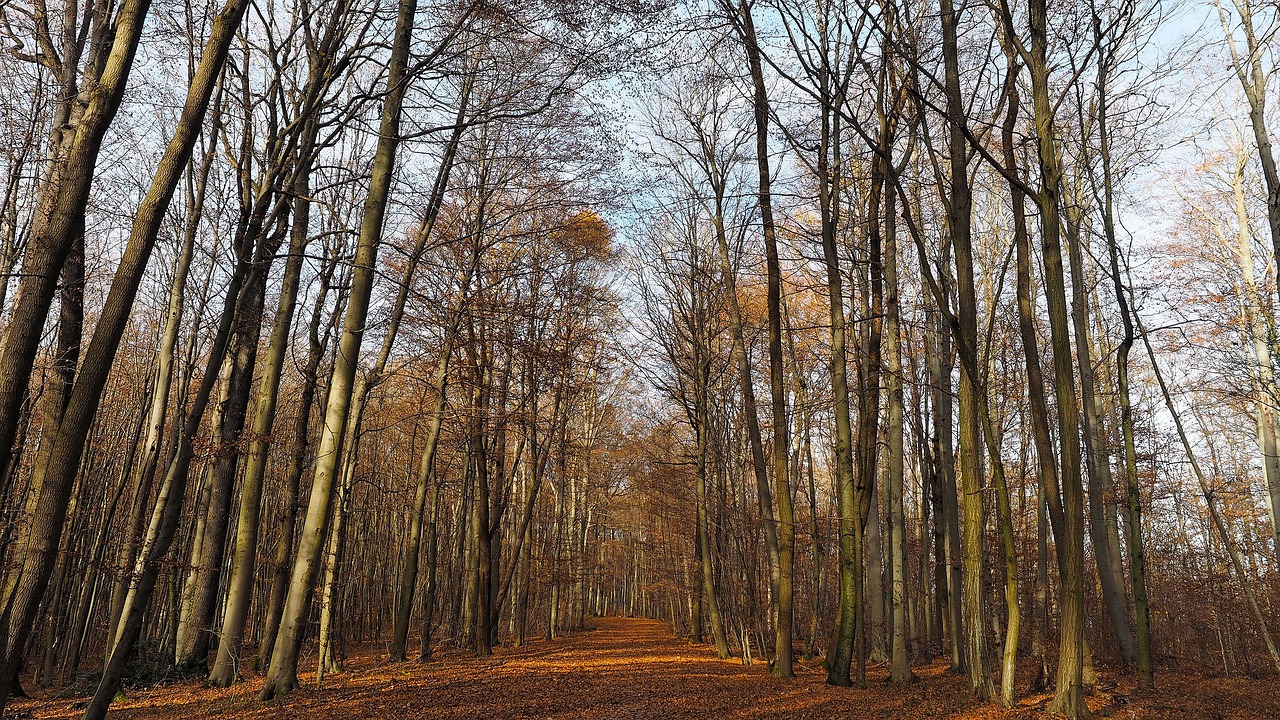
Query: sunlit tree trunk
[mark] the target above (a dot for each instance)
(79, 127)
(1069, 697)
(299, 445)
(116, 311)
(207, 567)
(1106, 553)
(328, 659)
(240, 584)
(429, 594)
(780, 527)
(706, 568)
(282, 676)
(959, 209)
(481, 532)
(1253, 81)
(848, 609)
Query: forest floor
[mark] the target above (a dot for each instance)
(631, 668)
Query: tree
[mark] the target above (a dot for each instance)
(282, 674)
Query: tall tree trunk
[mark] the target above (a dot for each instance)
(706, 569)
(959, 210)
(76, 140)
(299, 445)
(429, 595)
(850, 528)
(900, 670)
(1106, 554)
(207, 570)
(480, 506)
(240, 584)
(1048, 495)
(1069, 697)
(328, 659)
(413, 541)
(168, 508)
(282, 675)
(781, 527)
(940, 367)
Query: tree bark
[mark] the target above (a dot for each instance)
(79, 129)
(168, 507)
(900, 669)
(1106, 553)
(782, 544)
(300, 444)
(706, 568)
(1133, 495)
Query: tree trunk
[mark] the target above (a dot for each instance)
(1069, 697)
(283, 673)
(900, 669)
(413, 541)
(429, 600)
(79, 129)
(840, 657)
(779, 532)
(1106, 554)
(1133, 496)
(480, 509)
(240, 584)
(299, 445)
(959, 209)
(703, 550)
(208, 567)
(167, 512)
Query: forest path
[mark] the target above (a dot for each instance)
(632, 668)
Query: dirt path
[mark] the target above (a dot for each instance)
(629, 668)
